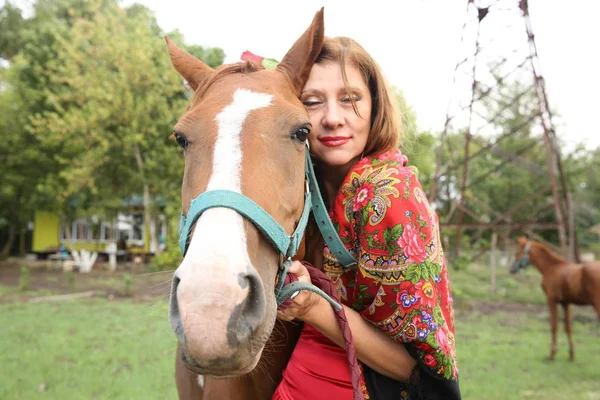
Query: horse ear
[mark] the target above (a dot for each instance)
(298, 61)
(194, 71)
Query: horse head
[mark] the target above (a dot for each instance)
(522, 256)
(244, 137)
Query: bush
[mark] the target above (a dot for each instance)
(167, 260)
(460, 263)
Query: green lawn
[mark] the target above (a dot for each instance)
(103, 349)
(90, 349)
(504, 356)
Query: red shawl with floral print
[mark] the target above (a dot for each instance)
(401, 283)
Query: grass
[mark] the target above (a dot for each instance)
(473, 283)
(504, 356)
(93, 349)
(103, 349)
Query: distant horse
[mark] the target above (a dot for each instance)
(244, 138)
(563, 283)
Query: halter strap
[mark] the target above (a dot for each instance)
(522, 262)
(324, 222)
(286, 245)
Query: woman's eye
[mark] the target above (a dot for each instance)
(302, 134)
(311, 103)
(181, 140)
(347, 99)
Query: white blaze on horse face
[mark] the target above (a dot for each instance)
(217, 256)
(219, 235)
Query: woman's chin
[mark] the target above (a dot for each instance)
(337, 158)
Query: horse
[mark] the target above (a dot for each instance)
(563, 283)
(244, 138)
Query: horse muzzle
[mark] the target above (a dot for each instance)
(218, 319)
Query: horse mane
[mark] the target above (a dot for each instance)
(549, 251)
(243, 67)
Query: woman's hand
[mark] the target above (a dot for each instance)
(304, 302)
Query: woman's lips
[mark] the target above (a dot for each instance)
(334, 141)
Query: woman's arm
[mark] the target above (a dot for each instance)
(373, 347)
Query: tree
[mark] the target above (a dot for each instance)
(98, 96)
(11, 22)
(417, 145)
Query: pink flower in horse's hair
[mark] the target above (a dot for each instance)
(412, 244)
(248, 56)
(442, 339)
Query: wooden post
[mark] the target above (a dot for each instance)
(573, 253)
(507, 248)
(493, 261)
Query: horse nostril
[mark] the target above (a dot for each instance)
(250, 314)
(174, 315)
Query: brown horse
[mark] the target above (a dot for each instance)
(563, 283)
(245, 132)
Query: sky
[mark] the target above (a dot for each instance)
(416, 42)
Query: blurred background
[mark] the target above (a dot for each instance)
(499, 100)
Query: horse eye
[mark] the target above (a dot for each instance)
(302, 134)
(181, 140)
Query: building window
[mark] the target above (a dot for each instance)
(82, 230)
(107, 232)
(138, 227)
(127, 226)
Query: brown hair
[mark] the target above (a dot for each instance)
(385, 119)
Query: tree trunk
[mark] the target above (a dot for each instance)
(22, 238)
(149, 227)
(12, 233)
(67, 226)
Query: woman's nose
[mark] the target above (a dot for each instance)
(333, 117)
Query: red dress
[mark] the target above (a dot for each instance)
(401, 285)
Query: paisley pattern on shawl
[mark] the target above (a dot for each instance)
(383, 217)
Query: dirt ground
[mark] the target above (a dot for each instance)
(46, 279)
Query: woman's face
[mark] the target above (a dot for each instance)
(338, 135)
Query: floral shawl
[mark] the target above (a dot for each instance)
(401, 283)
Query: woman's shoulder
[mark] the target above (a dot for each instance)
(393, 161)
(382, 193)
(386, 175)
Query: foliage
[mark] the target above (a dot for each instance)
(512, 174)
(11, 20)
(416, 144)
(167, 260)
(90, 98)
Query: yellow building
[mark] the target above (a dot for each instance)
(94, 234)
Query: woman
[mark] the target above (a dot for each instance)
(398, 300)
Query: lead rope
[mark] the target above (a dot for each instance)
(288, 285)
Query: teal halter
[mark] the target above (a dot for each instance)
(523, 261)
(286, 245)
